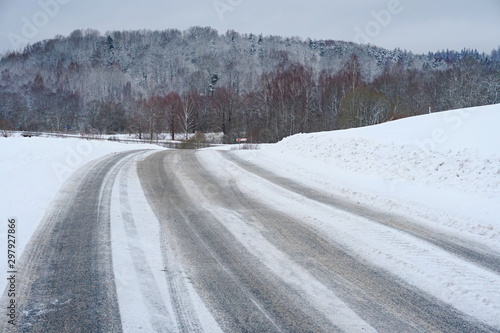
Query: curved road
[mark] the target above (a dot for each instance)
(255, 268)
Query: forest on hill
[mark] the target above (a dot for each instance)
(260, 87)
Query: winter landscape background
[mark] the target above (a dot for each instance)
(243, 85)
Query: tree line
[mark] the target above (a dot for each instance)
(262, 88)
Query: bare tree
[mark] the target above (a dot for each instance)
(186, 117)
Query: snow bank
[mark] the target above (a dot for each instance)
(442, 169)
(456, 150)
(33, 170)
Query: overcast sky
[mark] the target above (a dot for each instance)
(416, 25)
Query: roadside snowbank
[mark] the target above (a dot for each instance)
(454, 150)
(442, 169)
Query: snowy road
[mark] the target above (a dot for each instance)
(186, 241)
(259, 267)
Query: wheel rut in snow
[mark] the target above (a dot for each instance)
(157, 310)
(241, 294)
(475, 253)
(385, 302)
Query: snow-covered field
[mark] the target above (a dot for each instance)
(441, 171)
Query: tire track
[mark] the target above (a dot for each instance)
(242, 295)
(185, 314)
(381, 299)
(158, 313)
(471, 252)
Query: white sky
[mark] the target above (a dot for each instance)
(416, 25)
